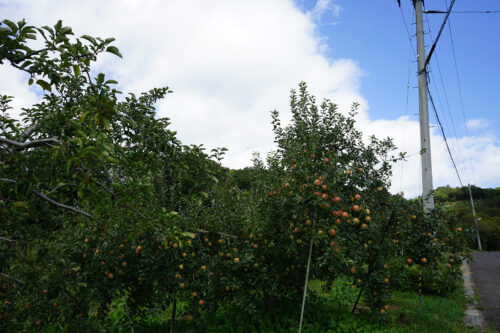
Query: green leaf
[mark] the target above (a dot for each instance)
(76, 70)
(90, 39)
(19, 204)
(58, 25)
(47, 28)
(66, 31)
(100, 78)
(30, 81)
(114, 50)
(11, 25)
(106, 122)
(111, 82)
(45, 85)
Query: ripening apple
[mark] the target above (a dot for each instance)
(332, 232)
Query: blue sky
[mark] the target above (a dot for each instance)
(230, 62)
(373, 34)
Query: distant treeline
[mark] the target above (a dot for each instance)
(487, 205)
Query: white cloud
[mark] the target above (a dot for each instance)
(324, 7)
(230, 62)
(477, 124)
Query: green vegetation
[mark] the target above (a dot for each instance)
(487, 205)
(109, 222)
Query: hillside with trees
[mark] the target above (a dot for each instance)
(487, 205)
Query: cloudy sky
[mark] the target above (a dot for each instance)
(230, 62)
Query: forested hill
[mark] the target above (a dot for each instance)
(487, 205)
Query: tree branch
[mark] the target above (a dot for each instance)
(11, 243)
(52, 201)
(16, 241)
(12, 278)
(60, 205)
(29, 144)
(27, 132)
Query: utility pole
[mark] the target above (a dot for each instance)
(475, 220)
(425, 143)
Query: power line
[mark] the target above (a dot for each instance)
(439, 33)
(406, 116)
(408, 32)
(444, 137)
(460, 93)
(457, 146)
(462, 12)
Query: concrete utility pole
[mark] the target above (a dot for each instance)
(425, 143)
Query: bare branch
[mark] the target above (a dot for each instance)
(60, 205)
(141, 215)
(11, 278)
(202, 231)
(22, 256)
(29, 144)
(27, 132)
(16, 241)
(52, 201)
(59, 186)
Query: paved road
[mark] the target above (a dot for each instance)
(486, 275)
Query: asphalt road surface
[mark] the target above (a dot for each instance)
(486, 276)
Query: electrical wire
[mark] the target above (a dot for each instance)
(461, 97)
(444, 137)
(405, 119)
(463, 12)
(457, 149)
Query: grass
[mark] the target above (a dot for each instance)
(435, 314)
(327, 311)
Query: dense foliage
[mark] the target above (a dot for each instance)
(487, 206)
(107, 217)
